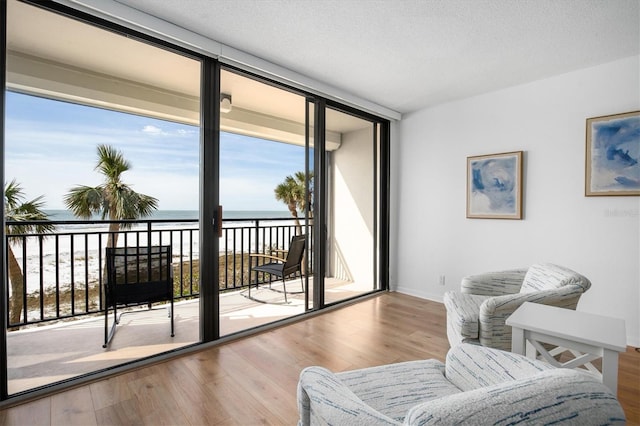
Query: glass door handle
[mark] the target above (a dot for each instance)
(217, 221)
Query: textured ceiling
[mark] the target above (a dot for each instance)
(410, 54)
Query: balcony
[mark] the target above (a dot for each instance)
(60, 334)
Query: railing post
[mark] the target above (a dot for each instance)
(257, 231)
(24, 280)
(149, 267)
(257, 249)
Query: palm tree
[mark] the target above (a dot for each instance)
(18, 210)
(295, 194)
(113, 199)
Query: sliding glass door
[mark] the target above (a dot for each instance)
(103, 144)
(116, 146)
(265, 192)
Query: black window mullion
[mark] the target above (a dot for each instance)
(209, 200)
(320, 212)
(4, 390)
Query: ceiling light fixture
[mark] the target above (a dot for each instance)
(225, 103)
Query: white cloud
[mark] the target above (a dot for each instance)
(153, 130)
(187, 132)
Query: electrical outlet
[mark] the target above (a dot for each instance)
(441, 279)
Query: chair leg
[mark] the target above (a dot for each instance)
(172, 332)
(106, 326)
(284, 287)
(250, 275)
(108, 333)
(257, 284)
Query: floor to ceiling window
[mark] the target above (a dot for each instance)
(93, 134)
(113, 143)
(263, 182)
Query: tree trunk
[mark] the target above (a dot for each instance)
(17, 288)
(112, 241)
(114, 229)
(294, 213)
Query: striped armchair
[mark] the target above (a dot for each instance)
(477, 385)
(478, 313)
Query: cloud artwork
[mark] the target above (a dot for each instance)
(494, 186)
(613, 151)
(494, 183)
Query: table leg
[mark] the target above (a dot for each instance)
(517, 340)
(610, 370)
(530, 350)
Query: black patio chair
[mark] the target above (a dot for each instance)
(136, 276)
(282, 267)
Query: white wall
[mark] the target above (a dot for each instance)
(596, 236)
(352, 216)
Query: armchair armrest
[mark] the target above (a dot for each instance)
(561, 395)
(267, 256)
(324, 399)
(494, 283)
(495, 310)
(471, 366)
(503, 306)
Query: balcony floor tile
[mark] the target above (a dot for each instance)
(50, 353)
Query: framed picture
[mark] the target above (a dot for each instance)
(613, 151)
(494, 186)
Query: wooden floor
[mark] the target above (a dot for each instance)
(253, 380)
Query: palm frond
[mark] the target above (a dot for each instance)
(111, 163)
(293, 192)
(13, 194)
(113, 199)
(85, 201)
(17, 210)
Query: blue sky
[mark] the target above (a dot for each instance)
(51, 147)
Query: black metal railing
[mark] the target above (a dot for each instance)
(61, 274)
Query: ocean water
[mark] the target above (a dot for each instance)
(179, 215)
(180, 218)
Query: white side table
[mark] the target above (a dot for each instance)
(587, 336)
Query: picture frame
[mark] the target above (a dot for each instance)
(612, 161)
(494, 186)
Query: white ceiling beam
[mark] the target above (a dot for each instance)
(150, 25)
(53, 80)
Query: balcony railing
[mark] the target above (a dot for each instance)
(61, 275)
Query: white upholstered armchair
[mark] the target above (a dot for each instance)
(477, 314)
(477, 385)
